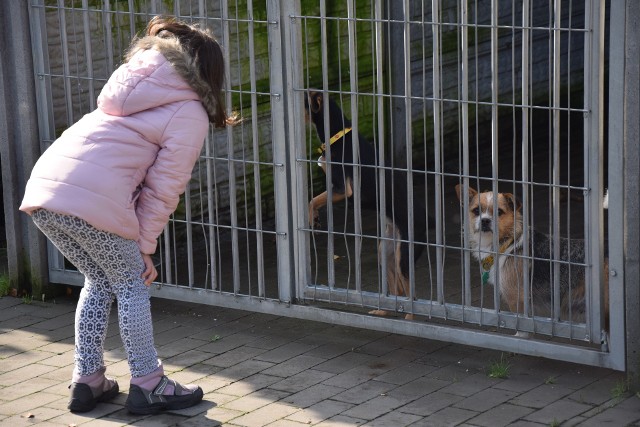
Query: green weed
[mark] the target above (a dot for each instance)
(499, 369)
(5, 284)
(620, 389)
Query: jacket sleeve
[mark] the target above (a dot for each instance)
(169, 175)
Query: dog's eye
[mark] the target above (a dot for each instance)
(500, 212)
(475, 211)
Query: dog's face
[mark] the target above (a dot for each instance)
(312, 105)
(507, 220)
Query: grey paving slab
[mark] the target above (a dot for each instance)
(431, 403)
(258, 369)
(558, 411)
(485, 399)
(396, 419)
(319, 412)
(285, 352)
(471, 384)
(364, 391)
(542, 396)
(600, 391)
(294, 365)
(501, 415)
(625, 412)
(234, 356)
(253, 401)
(301, 381)
(312, 395)
(445, 417)
(406, 373)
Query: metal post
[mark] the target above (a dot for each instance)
(593, 149)
(624, 156)
(284, 39)
(19, 150)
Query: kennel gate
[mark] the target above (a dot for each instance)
(420, 74)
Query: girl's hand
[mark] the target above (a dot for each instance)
(150, 273)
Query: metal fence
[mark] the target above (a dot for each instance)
(491, 95)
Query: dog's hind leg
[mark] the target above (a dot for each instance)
(391, 251)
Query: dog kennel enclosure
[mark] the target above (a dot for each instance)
(521, 97)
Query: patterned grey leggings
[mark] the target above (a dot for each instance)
(112, 267)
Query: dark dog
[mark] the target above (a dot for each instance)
(342, 164)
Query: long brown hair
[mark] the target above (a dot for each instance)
(207, 55)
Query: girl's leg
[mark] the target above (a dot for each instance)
(122, 263)
(96, 298)
(89, 385)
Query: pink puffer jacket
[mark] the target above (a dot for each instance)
(123, 166)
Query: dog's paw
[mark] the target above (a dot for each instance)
(379, 312)
(317, 223)
(521, 334)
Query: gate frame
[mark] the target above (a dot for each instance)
(287, 103)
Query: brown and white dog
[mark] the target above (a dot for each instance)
(507, 222)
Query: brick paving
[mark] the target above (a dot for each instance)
(262, 370)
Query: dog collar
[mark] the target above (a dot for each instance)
(333, 139)
(487, 262)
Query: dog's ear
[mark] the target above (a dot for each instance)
(472, 192)
(514, 203)
(315, 104)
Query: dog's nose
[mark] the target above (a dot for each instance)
(485, 224)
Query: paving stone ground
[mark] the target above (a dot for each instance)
(262, 370)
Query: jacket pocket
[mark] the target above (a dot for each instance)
(135, 194)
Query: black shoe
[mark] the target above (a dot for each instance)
(145, 402)
(83, 399)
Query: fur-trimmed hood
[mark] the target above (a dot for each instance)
(183, 64)
(123, 166)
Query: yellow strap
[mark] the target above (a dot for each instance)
(487, 262)
(334, 138)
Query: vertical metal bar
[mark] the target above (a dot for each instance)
(380, 66)
(494, 136)
(108, 35)
(46, 119)
(353, 83)
(464, 20)
(408, 147)
(65, 62)
(329, 171)
(211, 244)
(593, 146)
(256, 151)
(189, 227)
(168, 274)
(555, 203)
(437, 144)
(88, 53)
(132, 19)
(526, 188)
(396, 85)
(235, 251)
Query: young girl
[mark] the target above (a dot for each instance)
(103, 192)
